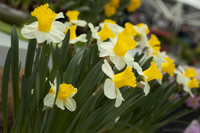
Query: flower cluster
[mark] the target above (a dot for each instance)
(117, 45)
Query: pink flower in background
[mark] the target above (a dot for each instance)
(194, 127)
(193, 102)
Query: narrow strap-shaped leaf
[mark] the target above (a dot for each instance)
(15, 70)
(4, 87)
(29, 57)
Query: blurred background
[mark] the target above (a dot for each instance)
(175, 22)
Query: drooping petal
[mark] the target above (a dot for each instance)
(119, 98)
(70, 104)
(138, 68)
(60, 103)
(41, 36)
(56, 36)
(59, 15)
(109, 89)
(105, 49)
(118, 61)
(128, 58)
(49, 99)
(81, 38)
(81, 23)
(146, 87)
(107, 69)
(94, 31)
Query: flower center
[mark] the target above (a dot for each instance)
(72, 31)
(125, 78)
(152, 72)
(106, 33)
(45, 16)
(65, 91)
(190, 72)
(168, 66)
(72, 15)
(154, 43)
(124, 43)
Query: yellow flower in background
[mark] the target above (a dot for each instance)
(129, 29)
(124, 43)
(72, 15)
(168, 66)
(73, 19)
(64, 98)
(110, 9)
(46, 28)
(133, 5)
(193, 83)
(155, 44)
(152, 72)
(115, 3)
(109, 21)
(190, 72)
(116, 81)
(73, 37)
(105, 33)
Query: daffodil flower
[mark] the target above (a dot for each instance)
(186, 78)
(116, 81)
(133, 5)
(154, 44)
(118, 50)
(73, 19)
(46, 28)
(64, 98)
(73, 37)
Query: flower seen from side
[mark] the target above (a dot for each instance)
(117, 81)
(168, 67)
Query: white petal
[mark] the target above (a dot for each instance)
(109, 89)
(118, 61)
(107, 69)
(56, 36)
(94, 32)
(49, 99)
(28, 31)
(59, 15)
(146, 87)
(58, 27)
(159, 81)
(106, 49)
(128, 58)
(115, 28)
(68, 24)
(137, 67)
(60, 103)
(70, 104)
(41, 36)
(81, 23)
(119, 98)
(81, 38)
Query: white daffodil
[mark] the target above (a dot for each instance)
(73, 37)
(64, 98)
(116, 81)
(46, 28)
(118, 50)
(186, 78)
(73, 19)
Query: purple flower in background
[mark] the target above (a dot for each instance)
(194, 127)
(193, 102)
(174, 98)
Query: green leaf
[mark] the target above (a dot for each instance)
(29, 57)
(147, 64)
(4, 87)
(15, 70)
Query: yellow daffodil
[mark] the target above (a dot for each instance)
(109, 21)
(106, 33)
(133, 5)
(184, 78)
(168, 66)
(116, 81)
(152, 72)
(73, 19)
(110, 9)
(64, 98)
(73, 37)
(46, 28)
(129, 29)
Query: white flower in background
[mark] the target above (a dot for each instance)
(116, 81)
(46, 28)
(73, 19)
(64, 98)
(118, 50)
(186, 78)
(73, 37)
